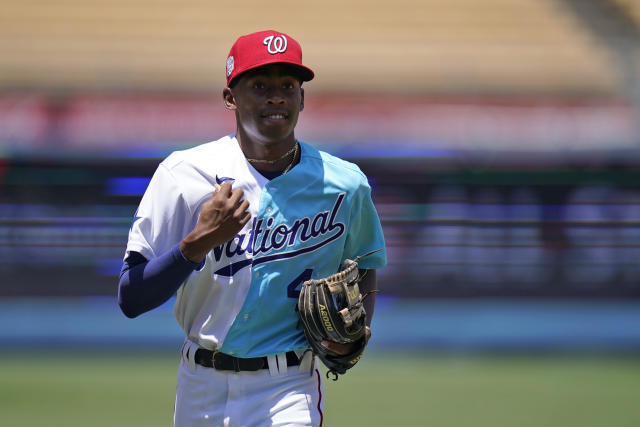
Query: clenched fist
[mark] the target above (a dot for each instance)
(221, 218)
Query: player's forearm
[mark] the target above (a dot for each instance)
(149, 284)
(369, 285)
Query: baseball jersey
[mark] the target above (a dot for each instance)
(303, 225)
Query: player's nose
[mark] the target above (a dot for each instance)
(275, 99)
(276, 94)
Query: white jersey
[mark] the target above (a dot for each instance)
(304, 224)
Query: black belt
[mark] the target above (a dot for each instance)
(225, 362)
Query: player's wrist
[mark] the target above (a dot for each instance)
(191, 252)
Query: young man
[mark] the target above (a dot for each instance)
(235, 226)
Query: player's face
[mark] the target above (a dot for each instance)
(267, 102)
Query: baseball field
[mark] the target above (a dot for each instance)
(405, 389)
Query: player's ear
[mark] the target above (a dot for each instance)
(301, 99)
(228, 98)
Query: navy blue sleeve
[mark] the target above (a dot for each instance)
(145, 285)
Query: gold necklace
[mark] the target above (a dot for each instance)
(295, 154)
(284, 156)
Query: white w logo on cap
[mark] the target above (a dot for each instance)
(275, 44)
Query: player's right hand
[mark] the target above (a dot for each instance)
(221, 218)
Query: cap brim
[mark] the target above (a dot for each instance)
(305, 74)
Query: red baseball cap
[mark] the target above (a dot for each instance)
(262, 48)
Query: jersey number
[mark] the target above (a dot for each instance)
(292, 289)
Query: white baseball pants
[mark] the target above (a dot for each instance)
(289, 396)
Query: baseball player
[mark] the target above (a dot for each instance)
(235, 226)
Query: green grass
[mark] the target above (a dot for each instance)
(394, 390)
(489, 391)
(88, 390)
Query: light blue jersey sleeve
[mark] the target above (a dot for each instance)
(364, 233)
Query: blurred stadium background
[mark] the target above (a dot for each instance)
(501, 138)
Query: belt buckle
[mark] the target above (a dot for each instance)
(213, 359)
(234, 360)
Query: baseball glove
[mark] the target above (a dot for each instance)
(331, 310)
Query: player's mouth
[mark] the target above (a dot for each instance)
(275, 116)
